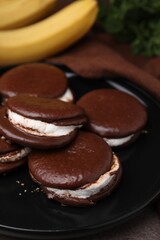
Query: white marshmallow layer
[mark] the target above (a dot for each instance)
(67, 96)
(37, 127)
(88, 190)
(15, 155)
(115, 142)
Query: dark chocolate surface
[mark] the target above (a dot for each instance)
(6, 146)
(10, 166)
(47, 110)
(81, 162)
(112, 113)
(25, 139)
(35, 79)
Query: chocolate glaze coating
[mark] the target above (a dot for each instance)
(47, 110)
(25, 139)
(35, 79)
(81, 162)
(80, 202)
(6, 146)
(112, 113)
(10, 166)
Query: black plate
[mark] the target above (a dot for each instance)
(26, 212)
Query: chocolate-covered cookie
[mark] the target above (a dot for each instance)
(11, 155)
(114, 115)
(40, 122)
(35, 79)
(79, 174)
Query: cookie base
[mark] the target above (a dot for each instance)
(81, 202)
(25, 139)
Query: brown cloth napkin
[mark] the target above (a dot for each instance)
(99, 55)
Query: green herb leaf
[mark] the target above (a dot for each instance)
(134, 21)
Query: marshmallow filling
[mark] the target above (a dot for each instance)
(114, 142)
(15, 155)
(67, 96)
(90, 189)
(39, 128)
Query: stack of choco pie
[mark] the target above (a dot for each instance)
(40, 122)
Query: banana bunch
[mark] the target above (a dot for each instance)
(48, 36)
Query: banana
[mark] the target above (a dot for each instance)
(19, 13)
(49, 36)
